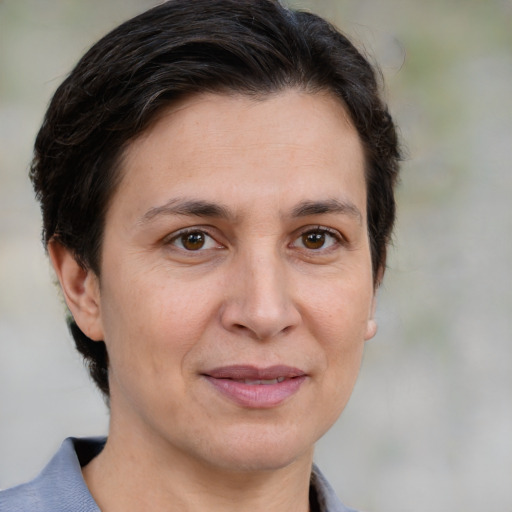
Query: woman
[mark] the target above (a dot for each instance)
(216, 180)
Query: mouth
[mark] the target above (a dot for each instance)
(256, 382)
(256, 388)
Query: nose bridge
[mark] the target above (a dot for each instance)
(266, 292)
(260, 301)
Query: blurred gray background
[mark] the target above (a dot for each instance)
(429, 426)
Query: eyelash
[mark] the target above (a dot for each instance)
(338, 239)
(323, 231)
(191, 231)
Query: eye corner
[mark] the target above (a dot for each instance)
(318, 239)
(193, 240)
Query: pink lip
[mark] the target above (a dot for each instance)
(240, 384)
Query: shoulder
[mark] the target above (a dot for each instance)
(60, 486)
(325, 495)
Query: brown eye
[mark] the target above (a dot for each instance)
(193, 241)
(318, 239)
(313, 239)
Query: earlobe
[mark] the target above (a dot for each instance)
(371, 329)
(80, 287)
(371, 324)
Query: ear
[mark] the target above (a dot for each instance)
(81, 290)
(371, 325)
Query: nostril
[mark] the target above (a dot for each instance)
(261, 316)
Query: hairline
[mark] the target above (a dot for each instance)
(120, 157)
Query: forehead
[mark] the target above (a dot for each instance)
(292, 143)
(214, 114)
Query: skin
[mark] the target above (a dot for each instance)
(276, 272)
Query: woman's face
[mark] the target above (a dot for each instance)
(236, 284)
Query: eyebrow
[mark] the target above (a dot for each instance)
(190, 208)
(307, 208)
(200, 208)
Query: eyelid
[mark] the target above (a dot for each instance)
(339, 238)
(318, 227)
(206, 230)
(176, 235)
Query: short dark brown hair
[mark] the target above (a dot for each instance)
(183, 47)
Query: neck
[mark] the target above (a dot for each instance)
(132, 474)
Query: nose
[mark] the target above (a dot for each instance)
(259, 299)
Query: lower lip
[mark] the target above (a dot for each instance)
(257, 396)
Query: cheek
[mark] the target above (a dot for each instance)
(150, 324)
(339, 319)
(343, 350)
(339, 310)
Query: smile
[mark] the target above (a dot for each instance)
(256, 388)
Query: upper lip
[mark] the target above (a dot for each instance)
(241, 372)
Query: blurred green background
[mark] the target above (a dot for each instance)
(429, 426)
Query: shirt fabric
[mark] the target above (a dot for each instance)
(60, 487)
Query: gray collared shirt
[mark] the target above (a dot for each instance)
(60, 487)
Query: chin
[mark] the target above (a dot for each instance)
(262, 450)
(264, 460)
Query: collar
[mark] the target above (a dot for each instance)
(60, 486)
